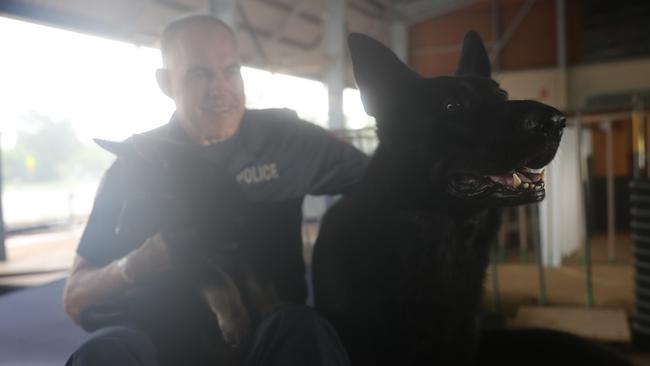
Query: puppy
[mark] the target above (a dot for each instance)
(399, 265)
(201, 213)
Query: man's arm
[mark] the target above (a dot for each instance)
(90, 284)
(331, 165)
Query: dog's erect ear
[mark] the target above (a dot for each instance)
(121, 149)
(151, 150)
(378, 73)
(473, 59)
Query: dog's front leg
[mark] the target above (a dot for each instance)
(225, 301)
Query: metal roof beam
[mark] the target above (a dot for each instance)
(425, 9)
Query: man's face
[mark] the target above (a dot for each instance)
(205, 82)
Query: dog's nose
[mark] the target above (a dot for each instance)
(556, 125)
(559, 121)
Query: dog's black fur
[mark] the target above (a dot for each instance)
(399, 265)
(217, 293)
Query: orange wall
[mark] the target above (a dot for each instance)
(435, 44)
(621, 149)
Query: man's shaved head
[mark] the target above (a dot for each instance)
(171, 32)
(201, 73)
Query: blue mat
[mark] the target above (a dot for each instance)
(34, 329)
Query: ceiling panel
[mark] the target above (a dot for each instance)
(279, 35)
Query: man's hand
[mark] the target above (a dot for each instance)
(148, 262)
(90, 284)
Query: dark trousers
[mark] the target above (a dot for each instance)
(293, 335)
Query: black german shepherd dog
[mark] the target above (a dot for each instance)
(399, 265)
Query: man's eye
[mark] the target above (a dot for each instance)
(233, 70)
(197, 74)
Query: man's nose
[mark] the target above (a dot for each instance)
(217, 85)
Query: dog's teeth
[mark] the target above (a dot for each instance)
(542, 174)
(525, 185)
(516, 181)
(539, 187)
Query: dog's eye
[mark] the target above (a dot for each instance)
(453, 106)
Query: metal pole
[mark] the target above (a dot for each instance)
(589, 300)
(611, 212)
(503, 232)
(560, 34)
(226, 10)
(496, 34)
(3, 251)
(562, 60)
(523, 233)
(638, 142)
(399, 39)
(334, 52)
(541, 283)
(496, 299)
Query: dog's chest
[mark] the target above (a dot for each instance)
(438, 253)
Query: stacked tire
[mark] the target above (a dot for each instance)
(640, 225)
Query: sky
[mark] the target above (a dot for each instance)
(107, 89)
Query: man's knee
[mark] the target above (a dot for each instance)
(115, 345)
(297, 334)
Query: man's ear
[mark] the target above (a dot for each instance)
(380, 75)
(473, 58)
(163, 76)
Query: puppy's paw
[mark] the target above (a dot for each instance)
(236, 329)
(225, 302)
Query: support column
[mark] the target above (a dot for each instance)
(334, 55)
(611, 201)
(399, 40)
(3, 249)
(226, 10)
(560, 27)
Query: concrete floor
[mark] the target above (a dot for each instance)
(517, 281)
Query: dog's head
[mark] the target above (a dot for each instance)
(192, 199)
(165, 167)
(459, 134)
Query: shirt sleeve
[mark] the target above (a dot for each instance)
(330, 164)
(101, 242)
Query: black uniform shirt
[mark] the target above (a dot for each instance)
(276, 159)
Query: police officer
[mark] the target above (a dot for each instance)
(276, 159)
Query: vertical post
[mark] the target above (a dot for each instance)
(541, 283)
(589, 298)
(496, 35)
(496, 297)
(611, 212)
(225, 10)
(560, 32)
(399, 40)
(334, 52)
(3, 251)
(638, 144)
(523, 233)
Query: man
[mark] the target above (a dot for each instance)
(275, 158)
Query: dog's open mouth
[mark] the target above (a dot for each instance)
(521, 185)
(521, 179)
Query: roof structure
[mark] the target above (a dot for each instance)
(277, 35)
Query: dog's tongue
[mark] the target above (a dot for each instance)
(523, 175)
(506, 180)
